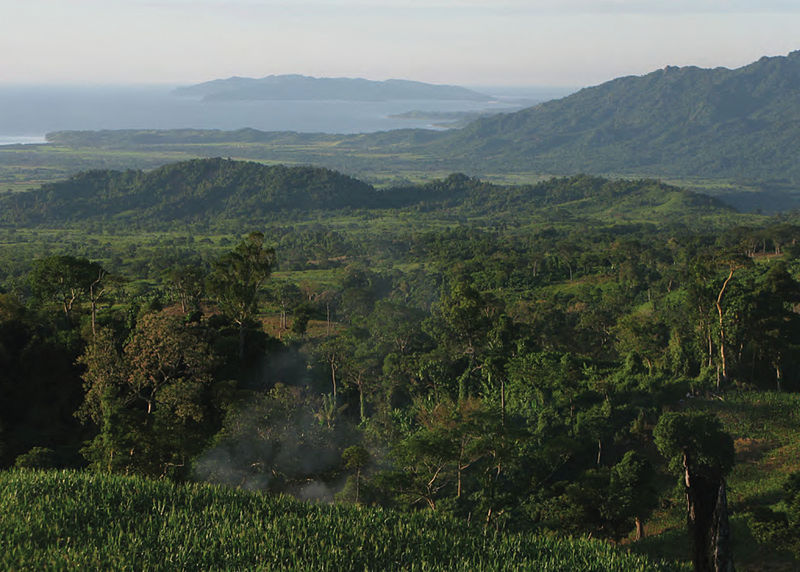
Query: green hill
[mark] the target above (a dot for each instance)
(216, 189)
(66, 520)
(686, 121)
(191, 190)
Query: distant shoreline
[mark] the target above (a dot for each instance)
(22, 140)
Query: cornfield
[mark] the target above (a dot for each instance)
(77, 520)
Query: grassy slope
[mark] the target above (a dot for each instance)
(65, 520)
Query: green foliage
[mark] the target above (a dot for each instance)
(36, 458)
(150, 402)
(188, 191)
(502, 353)
(696, 441)
(237, 277)
(63, 279)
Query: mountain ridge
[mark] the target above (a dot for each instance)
(672, 121)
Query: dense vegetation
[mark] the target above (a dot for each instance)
(196, 189)
(216, 190)
(539, 359)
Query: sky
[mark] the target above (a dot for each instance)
(466, 42)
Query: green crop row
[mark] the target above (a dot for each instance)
(71, 520)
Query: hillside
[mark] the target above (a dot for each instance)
(740, 123)
(216, 189)
(190, 190)
(73, 521)
(300, 87)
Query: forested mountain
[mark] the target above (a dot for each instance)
(189, 190)
(300, 87)
(218, 189)
(676, 121)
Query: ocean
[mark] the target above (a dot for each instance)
(27, 113)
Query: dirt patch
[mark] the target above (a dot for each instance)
(751, 450)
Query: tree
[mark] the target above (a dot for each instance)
(65, 279)
(733, 263)
(631, 492)
(463, 322)
(237, 278)
(696, 446)
(355, 458)
(150, 400)
(187, 282)
(287, 295)
(360, 364)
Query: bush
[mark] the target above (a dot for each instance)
(36, 458)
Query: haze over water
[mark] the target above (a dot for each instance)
(28, 113)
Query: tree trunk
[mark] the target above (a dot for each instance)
(241, 340)
(722, 328)
(502, 401)
(721, 553)
(639, 528)
(327, 319)
(707, 521)
(333, 377)
(362, 409)
(94, 317)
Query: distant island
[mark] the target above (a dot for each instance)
(300, 87)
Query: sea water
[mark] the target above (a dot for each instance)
(27, 113)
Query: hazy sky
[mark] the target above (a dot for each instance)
(468, 42)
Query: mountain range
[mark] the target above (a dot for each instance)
(742, 123)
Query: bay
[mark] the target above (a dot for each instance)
(29, 112)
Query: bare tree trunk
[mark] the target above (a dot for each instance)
(722, 327)
(362, 409)
(94, 317)
(332, 361)
(502, 401)
(327, 319)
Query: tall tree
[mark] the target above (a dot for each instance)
(237, 278)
